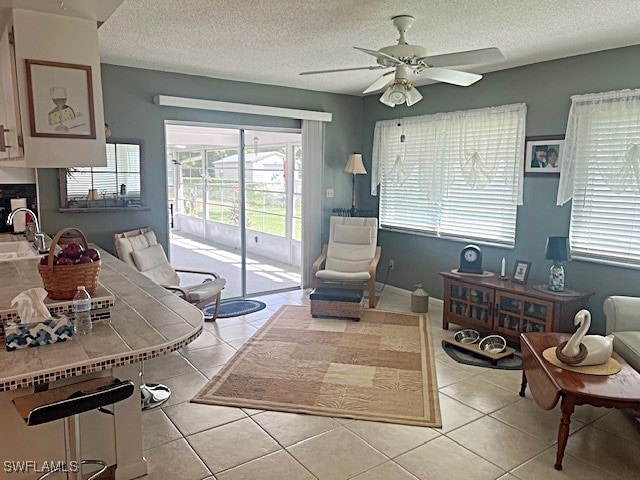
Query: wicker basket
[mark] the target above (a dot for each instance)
(62, 281)
(329, 308)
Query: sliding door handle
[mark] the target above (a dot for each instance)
(3, 145)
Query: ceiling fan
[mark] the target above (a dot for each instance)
(405, 59)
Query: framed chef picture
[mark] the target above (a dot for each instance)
(60, 100)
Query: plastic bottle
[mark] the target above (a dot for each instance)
(82, 312)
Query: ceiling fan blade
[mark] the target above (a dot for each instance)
(468, 57)
(379, 84)
(463, 79)
(374, 67)
(381, 56)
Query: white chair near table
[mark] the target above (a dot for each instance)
(140, 249)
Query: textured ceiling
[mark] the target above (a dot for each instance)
(272, 41)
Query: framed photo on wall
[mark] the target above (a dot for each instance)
(60, 100)
(543, 155)
(521, 272)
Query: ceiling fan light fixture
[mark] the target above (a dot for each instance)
(386, 99)
(413, 96)
(399, 92)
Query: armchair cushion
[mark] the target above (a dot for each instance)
(352, 246)
(125, 246)
(123, 250)
(153, 263)
(148, 258)
(342, 276)
(202, 291)
(622, 313)
(351, 256)
(352, 235)
(627, 345)
(623, 321)
(348, 258)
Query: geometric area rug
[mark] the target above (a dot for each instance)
(381, 368)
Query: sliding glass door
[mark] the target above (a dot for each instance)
(235, 197)
(273, 225)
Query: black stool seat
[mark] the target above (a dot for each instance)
(336, 295)
(62, 402)
(67, 403)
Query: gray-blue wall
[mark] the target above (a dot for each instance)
(131, 113)
(546, 88)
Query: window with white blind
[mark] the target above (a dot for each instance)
(454, 175)
(601, 174)
(117, 184)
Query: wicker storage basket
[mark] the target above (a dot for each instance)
(62, 281)
(326, 308)
(336, 302)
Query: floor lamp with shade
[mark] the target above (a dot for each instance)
(354, 166)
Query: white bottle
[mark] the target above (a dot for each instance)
(82, 312)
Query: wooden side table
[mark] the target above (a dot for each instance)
(549, 383)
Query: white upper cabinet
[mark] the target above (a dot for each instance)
(10, 127)
(57, 130)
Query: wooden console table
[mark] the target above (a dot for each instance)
(549, 383)
(490, 305)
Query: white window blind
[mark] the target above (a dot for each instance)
(123, 167)
(454, 175)
(116, 184)
(601, 173)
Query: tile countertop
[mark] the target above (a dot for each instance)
(147, 321)
(11, 237)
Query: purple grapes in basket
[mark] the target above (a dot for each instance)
(73, 254)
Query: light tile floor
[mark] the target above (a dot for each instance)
(488, 432)
(263, 273)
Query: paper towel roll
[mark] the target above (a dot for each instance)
(20, 219)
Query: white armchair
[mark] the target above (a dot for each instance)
(140, 249)
(623, 321)
(351, 257)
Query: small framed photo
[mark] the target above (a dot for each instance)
(543, 155)
(60, 100)
(521, 272)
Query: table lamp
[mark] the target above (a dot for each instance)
(356, 167)
(558, 251)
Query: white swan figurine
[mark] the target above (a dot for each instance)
(599, 348)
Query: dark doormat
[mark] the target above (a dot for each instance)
(513, 362)
(235, 307)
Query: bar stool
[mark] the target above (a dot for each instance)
(67, 403)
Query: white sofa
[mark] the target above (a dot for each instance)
(623, 321)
